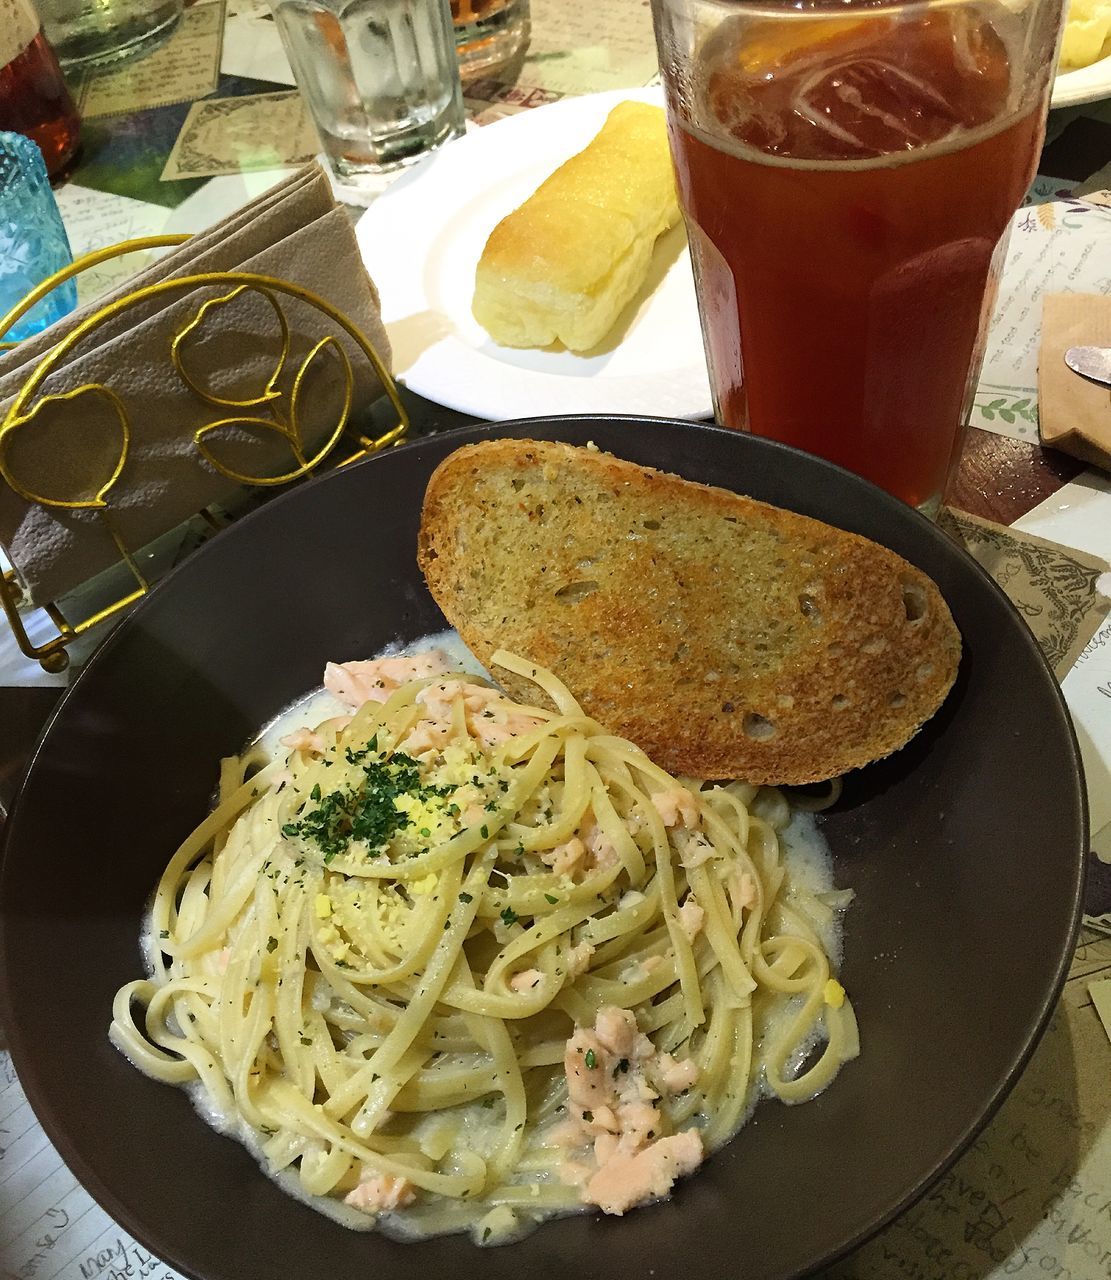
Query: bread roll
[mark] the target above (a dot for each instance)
(726, 637)
(562, 266)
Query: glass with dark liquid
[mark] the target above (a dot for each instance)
(488, 32)
(34, 99)
(848, 172)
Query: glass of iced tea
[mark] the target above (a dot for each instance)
(848, 170)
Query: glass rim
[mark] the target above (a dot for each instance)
(833, 9)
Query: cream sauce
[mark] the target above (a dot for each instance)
(806, 855)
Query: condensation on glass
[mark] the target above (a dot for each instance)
(380, 78)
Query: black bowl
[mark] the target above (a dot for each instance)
(965, 849)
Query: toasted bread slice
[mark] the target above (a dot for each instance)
(727, 638)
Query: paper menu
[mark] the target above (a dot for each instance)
(1032, 1196)
(264, 131)
(1079, 516)
(1087, 690)
(1055, 588)
(620, 52)
(50, 1227)
(95, 219)
(1063, 246)
(186, 67)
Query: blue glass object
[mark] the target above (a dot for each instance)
(33, 241)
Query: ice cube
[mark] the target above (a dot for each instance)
(874, 108)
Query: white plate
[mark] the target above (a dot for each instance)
(421, 242)
(1086, 84)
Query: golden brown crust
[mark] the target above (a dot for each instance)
(564, 264)
(726, 637)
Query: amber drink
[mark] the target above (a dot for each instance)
(848, 174)
(488, 32)
(34, 99)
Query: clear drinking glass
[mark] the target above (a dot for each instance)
(99, 33)
(848, 170)
(380, 78)
(489, 32)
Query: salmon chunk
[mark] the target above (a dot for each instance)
(381, 1193)
(629, 1178)
(615, 1077)
(354, 683)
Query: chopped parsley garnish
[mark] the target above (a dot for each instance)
(466, 897)
(548, 897)
(485, 831)
(271, 943)
(509, 916)
(365, 811)
(590, 1059)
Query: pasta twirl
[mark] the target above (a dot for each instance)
(458, 963)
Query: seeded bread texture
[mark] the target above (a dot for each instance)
(725, 637)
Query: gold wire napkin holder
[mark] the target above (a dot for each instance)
(52, 655)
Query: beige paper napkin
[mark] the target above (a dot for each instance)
(1074, 414)
(302, 197)
(296, 233)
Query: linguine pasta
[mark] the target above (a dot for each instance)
(459, 963)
